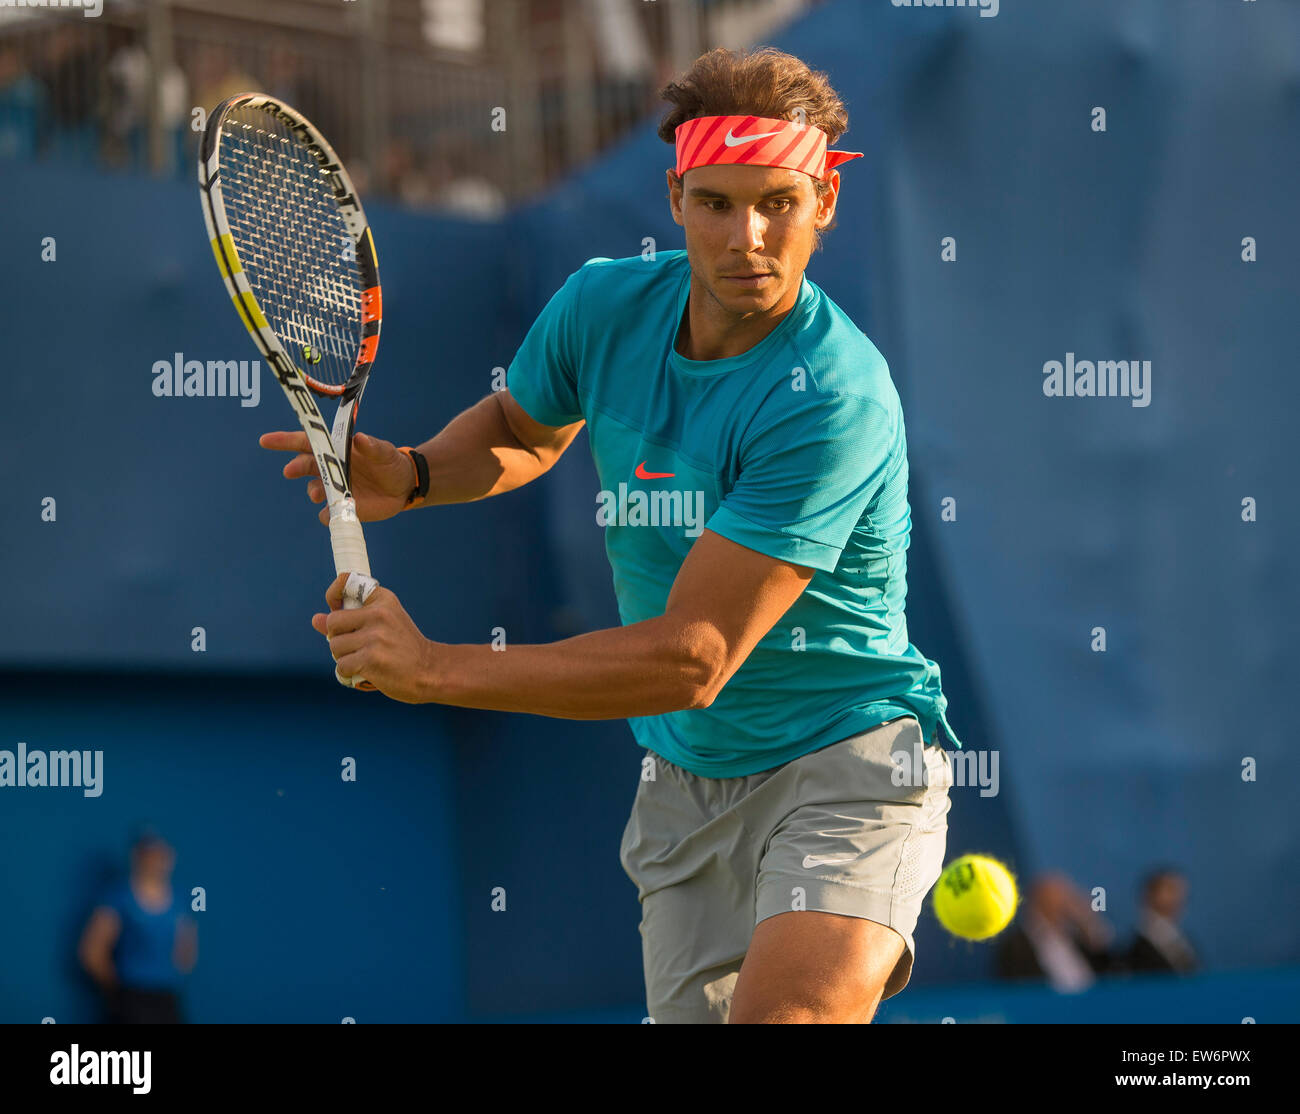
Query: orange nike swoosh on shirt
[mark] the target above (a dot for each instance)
(642, 474)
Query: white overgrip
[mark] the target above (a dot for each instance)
(347, 540)
(349, 545)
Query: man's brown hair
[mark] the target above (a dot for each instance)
(765, 82)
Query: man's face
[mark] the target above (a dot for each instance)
(1168, 896)
(750, 231)
(1051, 899)
(155, 859)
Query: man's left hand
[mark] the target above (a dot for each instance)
(380, 642)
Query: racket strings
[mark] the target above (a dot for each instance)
(294, 245)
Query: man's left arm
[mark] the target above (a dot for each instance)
(725, 598)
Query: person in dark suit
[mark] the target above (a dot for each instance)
(1058, 938)
(1159, 944)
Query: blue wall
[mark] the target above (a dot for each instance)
(1073, 513)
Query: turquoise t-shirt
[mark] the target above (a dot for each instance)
(795, 449)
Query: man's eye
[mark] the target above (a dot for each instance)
(777, 204)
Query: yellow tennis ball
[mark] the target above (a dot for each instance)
(975, 897)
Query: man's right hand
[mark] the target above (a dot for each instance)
(383, 476)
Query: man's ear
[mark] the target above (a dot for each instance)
(675, 195)
(828, 201)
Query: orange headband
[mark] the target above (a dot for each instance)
(756, 141)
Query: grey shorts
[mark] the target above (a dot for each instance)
(831, 831)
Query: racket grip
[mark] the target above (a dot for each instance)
(350, 557)
(346, 539)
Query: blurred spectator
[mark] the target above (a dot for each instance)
(138, 944)
(403, 175)
(129, 76)
(22, 105)
(73, 74)
(471, 196)
(459, 186)
(1057, 937)
(325, 103)
(624, 63)
(1159, 944)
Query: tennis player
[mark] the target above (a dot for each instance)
(751, 454)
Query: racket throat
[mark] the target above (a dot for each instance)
(341, 435)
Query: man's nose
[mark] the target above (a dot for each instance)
(747, 231)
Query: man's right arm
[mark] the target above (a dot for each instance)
(95, 950)
(491, 448)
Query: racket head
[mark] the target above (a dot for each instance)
(292, 243)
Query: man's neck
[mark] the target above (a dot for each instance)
(707, 332)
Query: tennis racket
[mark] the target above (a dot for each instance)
(295, 251)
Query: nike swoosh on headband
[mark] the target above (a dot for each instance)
(731, 139)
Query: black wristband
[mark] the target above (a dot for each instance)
(421, 475)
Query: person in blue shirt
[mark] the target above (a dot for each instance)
(752, 458)
(138, 944)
